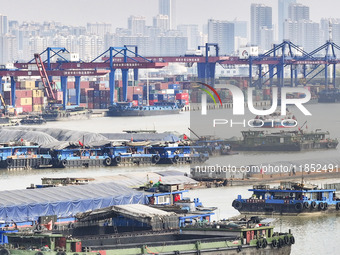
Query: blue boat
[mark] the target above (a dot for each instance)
(179, 154)
(288, 199)
(78, 157)
(132, 153)
(23, 157)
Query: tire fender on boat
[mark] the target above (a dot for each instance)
(107, 161)
(5, 252)
(325, 206)
(313, 205)
(274, 243)
(202, 158)
(298, 207)
(306, 205)
(292, 240)
(321, 206)
(63, 163)
(155, 159)
(286, 239)
(175, 159)
(117, 159)
(237, 205)
(9, 161)
(338, 206)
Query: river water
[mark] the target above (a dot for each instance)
(314, 234)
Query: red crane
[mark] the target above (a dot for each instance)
(44, 77)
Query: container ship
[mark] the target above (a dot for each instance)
(128, 110)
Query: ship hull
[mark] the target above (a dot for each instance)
(285, 147)
(164, 244)
(66, 116)
(131, 113)
(260, 208)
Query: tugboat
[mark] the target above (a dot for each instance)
(284, 141)
(32, 120)
(288, 199)
(128, 110)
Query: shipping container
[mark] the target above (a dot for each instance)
(27, 84)
(182, 96)
(152, 102)
(23, 93)
(38, 100)
(37, 93)
(174, 86)
(27, 108)
(37, 108)
(26, 101)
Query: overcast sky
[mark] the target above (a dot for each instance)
(116, 12)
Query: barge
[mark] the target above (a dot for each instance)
(175, 154)
(128, 110)
(55, 114)
(283, 141)
(329, 96)
(139, 229)
(23, 156)
(288, 199)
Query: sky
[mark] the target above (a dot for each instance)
(116, 12)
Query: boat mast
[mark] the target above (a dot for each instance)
(147, 88)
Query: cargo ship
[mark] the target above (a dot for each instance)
(329, 96)
(288, 199)
(128, 110)
(32, 120)
(76, 113)
(139, 229)
(297, 140)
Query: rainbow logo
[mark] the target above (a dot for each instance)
(209, 93)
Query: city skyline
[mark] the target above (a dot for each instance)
(188, 12)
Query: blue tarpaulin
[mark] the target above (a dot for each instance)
(67, 201)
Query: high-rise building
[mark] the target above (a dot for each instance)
(261, 17)
(3, 25)
(192, 33)
(298, 12)
(168, 7)
(136, 25)
(241, 28)
(99, 28)
(266, 38)
(308, 34)
(283, 6)
(223, 33)
(162, 22)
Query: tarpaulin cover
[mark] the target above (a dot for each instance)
(8, 135)
(66, 201)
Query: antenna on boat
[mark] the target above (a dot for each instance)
(147, 88)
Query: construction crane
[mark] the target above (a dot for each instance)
(3, 104)
(44, 78)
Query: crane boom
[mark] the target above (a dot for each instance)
(44, 77)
